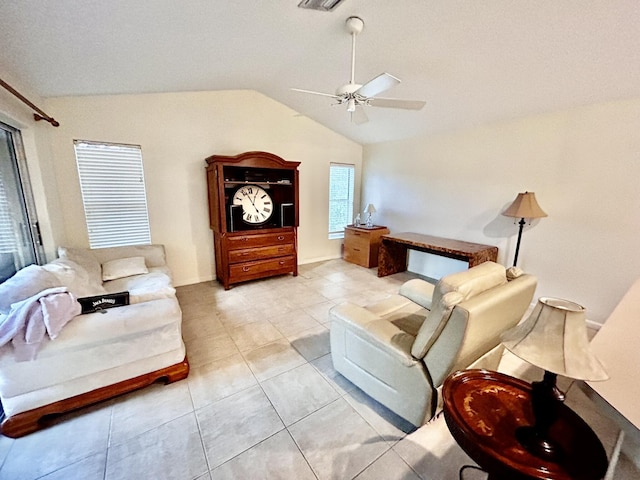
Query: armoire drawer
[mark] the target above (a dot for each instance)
(258, 253)
(249, 270)
(259, 240)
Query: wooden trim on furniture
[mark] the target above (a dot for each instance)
(30, 421)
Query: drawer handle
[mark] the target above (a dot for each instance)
(281, 262)
(245, 269)
(280, 237)
(281, 249)
(357, 249)
(244, 239)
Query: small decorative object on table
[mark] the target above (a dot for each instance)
(370, 210)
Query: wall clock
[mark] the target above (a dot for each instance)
(257, 206)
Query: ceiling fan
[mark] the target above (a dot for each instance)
(356, 96)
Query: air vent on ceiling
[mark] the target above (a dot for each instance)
(322, 5)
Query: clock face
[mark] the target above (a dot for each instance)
(256, 204)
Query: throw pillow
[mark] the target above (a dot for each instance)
(75, 278)
(84, 258)
(123, 267)
(24, 284)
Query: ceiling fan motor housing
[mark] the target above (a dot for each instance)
(355, 25)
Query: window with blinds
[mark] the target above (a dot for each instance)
(341, 190)
(113, 193)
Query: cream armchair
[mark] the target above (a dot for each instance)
(401, 349)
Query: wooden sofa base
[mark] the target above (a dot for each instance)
(27, 422)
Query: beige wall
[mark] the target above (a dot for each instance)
(177, 131)
(583, 165)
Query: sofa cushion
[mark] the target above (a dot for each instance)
(74, 277)
(24, 284)
(84, 258)
(123, 267)
(154, 255)
(143, 288)
(122, 335)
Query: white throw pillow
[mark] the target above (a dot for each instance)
(84, 258)
(75, 278)
(123, 267)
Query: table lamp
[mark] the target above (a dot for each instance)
(524, 206)
(370, 210)
(554, 338)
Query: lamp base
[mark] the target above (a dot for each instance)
(534, 443)
(546, 400)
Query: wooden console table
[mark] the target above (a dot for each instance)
(392, 256)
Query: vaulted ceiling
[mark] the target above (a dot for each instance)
(472, 61)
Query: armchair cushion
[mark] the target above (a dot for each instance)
(418, 291)
(385, 335)
(473, 281)
(434, 323)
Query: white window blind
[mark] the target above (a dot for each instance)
(113, 193)
(341, 190)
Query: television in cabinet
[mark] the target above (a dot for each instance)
(254, 215)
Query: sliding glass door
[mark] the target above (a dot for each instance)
(20, 243)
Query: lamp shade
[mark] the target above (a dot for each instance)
(524, 206)
(554, 337)
(370, 208)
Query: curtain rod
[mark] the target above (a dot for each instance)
(40, 115)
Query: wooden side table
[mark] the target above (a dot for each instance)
(361, 244)
(483, 409)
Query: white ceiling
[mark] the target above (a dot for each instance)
(473, 61)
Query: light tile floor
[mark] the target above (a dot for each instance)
(262, 400)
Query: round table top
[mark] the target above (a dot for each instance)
(483, 409)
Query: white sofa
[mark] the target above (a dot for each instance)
(97, 355)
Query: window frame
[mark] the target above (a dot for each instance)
(350, 200)
(114, 194)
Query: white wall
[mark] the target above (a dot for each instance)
(584, 167)
(177, 131)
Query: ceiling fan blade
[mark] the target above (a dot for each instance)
(359, 116)
(382, 82)
(397, 103)
(315, 93)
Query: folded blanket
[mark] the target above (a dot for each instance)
(27, 322)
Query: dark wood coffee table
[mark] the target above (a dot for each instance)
(483, 409)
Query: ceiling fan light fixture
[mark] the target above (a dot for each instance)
(320, 5)
(351, 105)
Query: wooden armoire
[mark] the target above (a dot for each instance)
(254, 215)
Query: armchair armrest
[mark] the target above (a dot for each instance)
(418, 291)
(374, 330)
